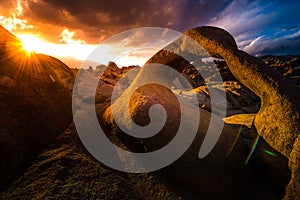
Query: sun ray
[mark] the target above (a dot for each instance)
(31, 43)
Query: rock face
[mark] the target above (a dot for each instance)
(66, 170)
(35, 105)
(113, 73)
(289, 66)
(201, 176)
(278, 119)
(240, 99)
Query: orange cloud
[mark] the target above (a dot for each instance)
(14, 21)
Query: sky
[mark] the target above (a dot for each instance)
(72, 29)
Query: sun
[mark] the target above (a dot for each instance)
(31, 43)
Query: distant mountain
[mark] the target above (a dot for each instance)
(35, 105)
(288, 65)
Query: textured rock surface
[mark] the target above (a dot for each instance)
(201, 177)
(65, 170)
(240, 99)
(289, 66)
(278, 119)
(113, 73)
(35, 105)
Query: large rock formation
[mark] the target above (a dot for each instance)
(240, 99)
(35, 104)
(66, 171)
(278, 119)
(201, 176)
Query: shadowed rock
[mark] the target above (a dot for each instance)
(35, 105)
(278, 119)
(66, 171)
(198, 175)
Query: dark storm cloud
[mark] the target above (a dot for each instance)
(195, 13)
(100, 19)
(261, 27)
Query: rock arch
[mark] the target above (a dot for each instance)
(279, 117)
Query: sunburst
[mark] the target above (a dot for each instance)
(31, 43)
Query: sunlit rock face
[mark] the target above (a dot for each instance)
(189, 171)
(266, 82)
(240, 99)
(278, 118)
(286, 65)
(198, 175)
(35, 96)
(265, 93)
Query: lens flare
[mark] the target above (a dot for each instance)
(31, 43)
(270, 153)
(254, 145)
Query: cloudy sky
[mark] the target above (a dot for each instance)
(259, 27)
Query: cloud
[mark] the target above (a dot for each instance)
(262, 27)
(288, 44)
(67, 37)
(11, 19)
(243, 18)
(198, 13)
(94, 21)
(98, 20)
(251, 47)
